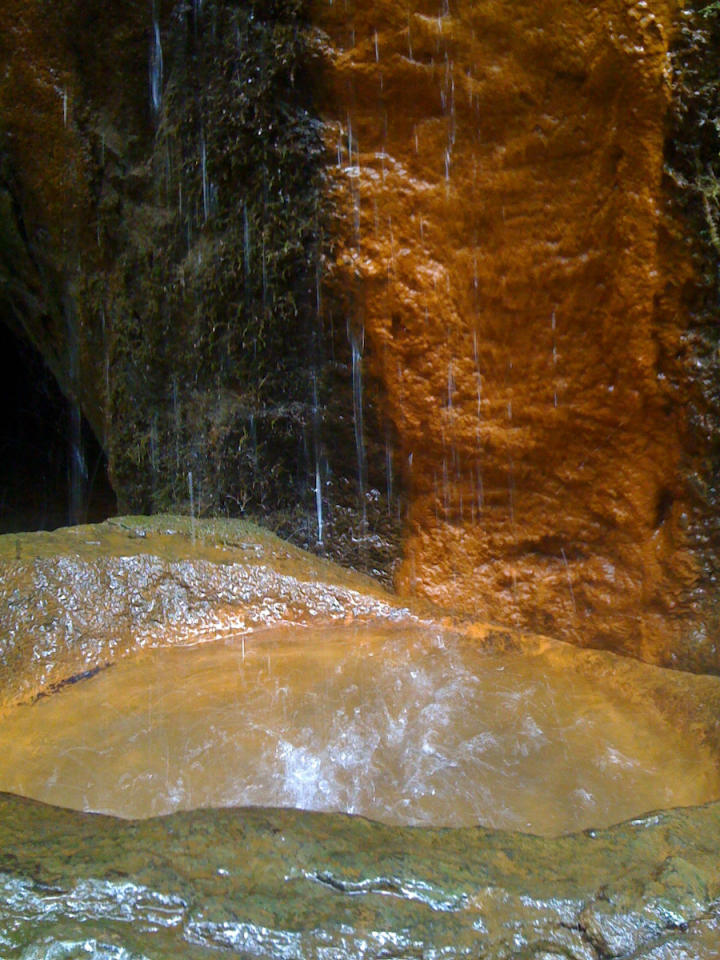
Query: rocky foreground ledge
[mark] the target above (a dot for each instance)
(82, 597)
(255, 883)
(286, 885)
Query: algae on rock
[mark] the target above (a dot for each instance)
(167, 242)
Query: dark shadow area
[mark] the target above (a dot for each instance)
(47, 478)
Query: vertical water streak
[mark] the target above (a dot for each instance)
(569, 580)
(318, 287)
(176, 422)
(106, 369)
(247, 248)
(253, 440)
(154, 447)
(264, 278)
(357, 346)
(192, 505)
(318, 469)
(554, 359)
(77, 466)
(205, 185)
(197, 10)
(156, 66)
(389, 470)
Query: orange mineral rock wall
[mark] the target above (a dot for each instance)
(499, 165)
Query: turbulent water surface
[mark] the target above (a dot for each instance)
(404, 724)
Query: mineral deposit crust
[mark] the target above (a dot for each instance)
(505, 236)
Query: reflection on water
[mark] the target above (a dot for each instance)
(404, 725)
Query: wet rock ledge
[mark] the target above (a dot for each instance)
(81, 597)
(287, 884)
(257, 883)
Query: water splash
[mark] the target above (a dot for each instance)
(404, 724)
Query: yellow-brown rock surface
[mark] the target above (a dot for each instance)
(500, 167)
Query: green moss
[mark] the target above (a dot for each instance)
(218, 238)
(185, 268)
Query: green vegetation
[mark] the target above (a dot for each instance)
(212, 322)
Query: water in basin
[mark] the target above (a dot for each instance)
(403, 724)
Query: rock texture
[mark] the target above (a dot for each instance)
(162, 245)
(285, 884)
(241, 236)
(521, 295)
(81, 597)
(78, 598)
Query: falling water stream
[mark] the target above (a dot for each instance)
(403, 724)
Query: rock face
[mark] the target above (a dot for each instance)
(82, 597)
(164, 236)
(314, 261)
(268, 883)
(521, 294)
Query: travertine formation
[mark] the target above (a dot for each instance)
(505, 238)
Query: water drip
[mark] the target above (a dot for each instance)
(156, 68)
(247, 245)
(569, 580)
(176, 423)
(253, 440)
(389, 471)
(554, 359)
(77, 469)
(318, 466)
(191, 493)
(154, 447)
(205, 186)
(357, 346)
(77, 481)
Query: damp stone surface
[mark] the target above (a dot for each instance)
(258, 882)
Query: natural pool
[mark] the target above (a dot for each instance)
(400, 723)
(271, 653)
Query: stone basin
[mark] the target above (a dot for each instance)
(257, 882)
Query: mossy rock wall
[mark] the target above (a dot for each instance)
(164, 243)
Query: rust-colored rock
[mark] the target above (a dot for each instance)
(501, 165)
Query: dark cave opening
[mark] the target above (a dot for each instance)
(53, 471)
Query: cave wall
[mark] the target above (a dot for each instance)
(166, 238)
(526, 291)
(319, 260)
